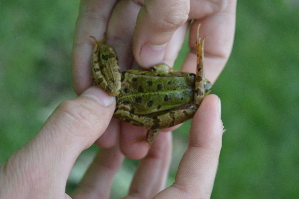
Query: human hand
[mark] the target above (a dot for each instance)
(157, 37)
(40, 169)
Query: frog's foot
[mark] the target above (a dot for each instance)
(141, 139)
(151, 135)
(99, 42)
(149, 138)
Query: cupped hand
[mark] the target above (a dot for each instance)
(154, 31)
(40, 169)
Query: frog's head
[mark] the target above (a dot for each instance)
(208, 86)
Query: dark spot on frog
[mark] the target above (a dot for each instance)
(102, 67)
(169, 83)
(166, 98)
(96, 69)
(105, 57)
(199, 92)
(150, 83)
(156, 122)
(198, 78)
(126, 90)
(150, 103)
(158, 107)
(125, 102)
(100, 80)
(140, 89)
(159, 86)
(122, 77)
(186, 113)
(134, 79)
(138, 99)
(172, 116)
(95, 61)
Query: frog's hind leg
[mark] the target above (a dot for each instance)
(150, 136)
(199, 85)
(154, 122)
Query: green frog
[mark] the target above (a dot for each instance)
(154, 99)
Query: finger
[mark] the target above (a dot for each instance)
(121, 29)
(92, 21)
(129, 146)
(157, 21)
(218, 27)
(151, 174)
(98, 179)
(110, 137)
(49, 157)
(197, 170)
(120, 32)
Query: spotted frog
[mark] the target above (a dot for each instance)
(154, 99)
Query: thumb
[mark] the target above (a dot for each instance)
(45, 162)
(79, 122)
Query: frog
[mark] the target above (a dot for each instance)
(155, 99)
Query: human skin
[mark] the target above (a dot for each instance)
(150, 32)
(41, 168)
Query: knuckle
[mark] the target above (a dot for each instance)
(172, 14)
(139, 2)
(77, 114)
(177, 15)
(218, 5)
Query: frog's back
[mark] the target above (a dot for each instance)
(144, 92)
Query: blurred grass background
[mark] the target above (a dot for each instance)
(258, 89)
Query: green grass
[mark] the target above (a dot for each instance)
(258, 89)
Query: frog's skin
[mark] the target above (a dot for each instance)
(155, 99)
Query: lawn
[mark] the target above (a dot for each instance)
(258, 89)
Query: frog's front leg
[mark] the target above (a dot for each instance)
(105, 69)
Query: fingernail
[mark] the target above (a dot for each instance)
(219, 112)
(151, 55)
(99, 95)
(219, 107)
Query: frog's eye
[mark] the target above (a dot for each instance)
(208, 86)
(190, 75)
